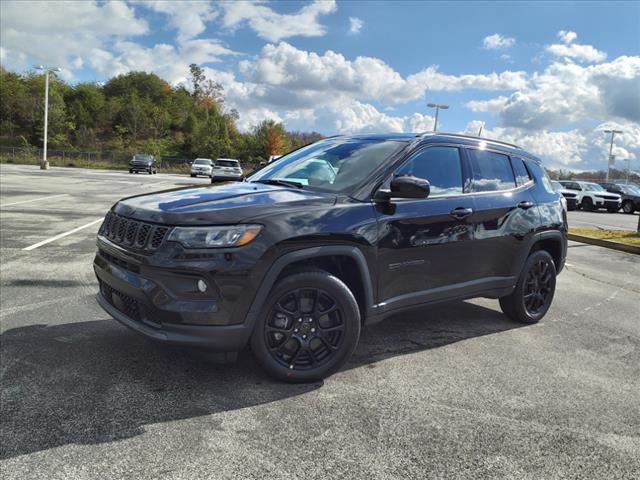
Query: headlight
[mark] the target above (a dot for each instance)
(215, 237)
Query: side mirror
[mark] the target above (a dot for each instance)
(406, 187)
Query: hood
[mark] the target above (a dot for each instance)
(218, 204)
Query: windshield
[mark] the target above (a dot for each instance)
(227, 163)
(202, 161)
(334, 165)
(631, 189)
(594, 187)
(142, 157)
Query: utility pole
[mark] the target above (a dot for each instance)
(44, 164)
(437, 107)
(613, 134)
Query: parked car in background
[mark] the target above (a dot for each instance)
(298, 258)
(592, 196)
(202, 166)
(227, 169)
(630, 195)
(141, 162)
(571, 197)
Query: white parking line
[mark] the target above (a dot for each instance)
(57, 237)
(32, 200)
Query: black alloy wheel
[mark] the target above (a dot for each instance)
(534, 291)
(311, 327)
(538, 287)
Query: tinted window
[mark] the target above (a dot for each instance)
(440, 165)
(227, 163)
(522, 174)
(490, 171)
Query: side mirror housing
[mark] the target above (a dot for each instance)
(405, 187)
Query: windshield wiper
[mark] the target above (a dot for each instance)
(275, 181)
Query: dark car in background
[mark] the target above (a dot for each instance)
(332, 237)
(630, 195)
(143, 163)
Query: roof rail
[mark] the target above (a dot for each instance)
(474, 137)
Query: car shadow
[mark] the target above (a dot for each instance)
(94, 382)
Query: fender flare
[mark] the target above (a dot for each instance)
(558, 236)
(304, 254)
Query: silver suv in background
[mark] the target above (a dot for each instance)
(592, 196)
(202, 166)
(226, 169)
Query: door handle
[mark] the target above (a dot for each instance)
(461, 213)
(525, 204)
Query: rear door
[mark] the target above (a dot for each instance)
(504, 217)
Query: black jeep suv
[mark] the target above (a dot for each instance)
(331, 237)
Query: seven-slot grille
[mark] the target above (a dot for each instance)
(132, 233)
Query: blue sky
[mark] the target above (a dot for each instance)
(548, 75)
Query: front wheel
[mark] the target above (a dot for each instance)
(627, 207)
(533, 293)
(587, 204)
(310, 327)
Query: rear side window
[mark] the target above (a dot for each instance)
(441, 166)
(490, 171)
(519, 168)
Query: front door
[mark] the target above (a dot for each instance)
(425, 246)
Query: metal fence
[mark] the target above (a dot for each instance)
(69, 158)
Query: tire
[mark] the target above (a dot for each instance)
(136, 172)
(192, 175)
(130, 170)
(313, 344)
(150, 171)
(538, 267)
(587, 204)
(628, 207)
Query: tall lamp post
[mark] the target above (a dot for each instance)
(613, 134)
(44, 164)
(437, 107)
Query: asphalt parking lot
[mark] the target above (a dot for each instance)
(451, 391)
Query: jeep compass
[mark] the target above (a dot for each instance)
(337, 235)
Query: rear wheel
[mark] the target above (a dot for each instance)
(533, 293)
(131, 170)
(627, 207)
(587, 204)
(310, 327)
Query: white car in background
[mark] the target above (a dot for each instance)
(226, 169)
(202, 166)
(592, 196)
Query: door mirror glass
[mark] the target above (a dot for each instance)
(409, 187)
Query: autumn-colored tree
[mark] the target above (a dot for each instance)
(275, 142)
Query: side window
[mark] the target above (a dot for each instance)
(522, 174)
(440, 165)
(490, 171)
(540, 174)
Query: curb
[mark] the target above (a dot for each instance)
(604, 243)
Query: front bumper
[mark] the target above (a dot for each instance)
(154, 303)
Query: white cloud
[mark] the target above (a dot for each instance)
(355, 25)
(497, 42)
(63, 33)
(567, 36)
(566, 92)
(189, 18)
(273, 26)
(575, 51)
(302, 74)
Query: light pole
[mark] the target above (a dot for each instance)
(437, 107)
(613, 134)
(44, 164)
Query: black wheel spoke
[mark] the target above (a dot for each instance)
(315, 323)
